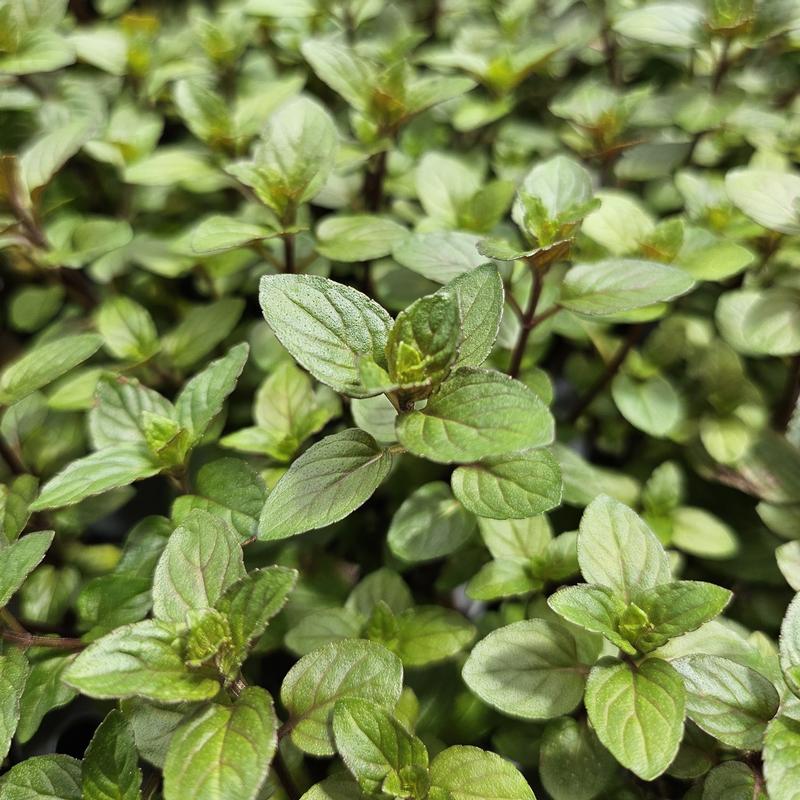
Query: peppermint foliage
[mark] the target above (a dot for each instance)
(399, 400)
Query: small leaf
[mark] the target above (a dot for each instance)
(616, 285)
(218, 234)
(652, 405)
(358, 237)
(529, 670)
(45, 363)
(127, 329)
(201, 330)
(732, 780)
(671, 24)
(731, 702)
(510, 487)
(43, 778)
(329, 328)
(637, 712)
(14, 671)
(202, 559)
(782, 758)
(768, 197)
(469, 773)
(329, 481)
(223, 750)
(429, 634)
(440, 256)
(457, 424)
(340, 670)
(109, 769)
(760, 322)
(19, 559)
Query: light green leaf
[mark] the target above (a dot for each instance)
(223, 750)
(45, 363)
(510, 487)
(375, 416)
(730, 701)
(201, 330)
(329, 481)
(790, 645)
(202, 559)
(219, 233)
(516, 540)
(322, 627)
(469, 773)
(201, 399)
(109, 768)
(43, 691)
(457, 424)
(768, 197)
(383, 585)
(329, 328)
(696, 531)
(140, 660)
(340, 670)
(429, 524)
(127, 329)
(500, 579)
(671, 24)
(428, 634)
(782, 759)
(615, 285)
(529, 670)
(15, 506)
(732, 780)
(358, 237)
(616, 549)
(788, 558)
(97, 473)
(620, 224)
(760, 322)
(373, 744)
(19, 559)
(440, 256)
(14, 671)
(652, 405)
(638, 712)
(44, 158)
(43, 778)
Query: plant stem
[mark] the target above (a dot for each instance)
(16, 634)
(288, 253)
(722, 67)
(11, 457)
(634, 334)
(374, 179)
(526, 322)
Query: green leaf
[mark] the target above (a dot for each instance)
(516, 540)
(782, 758)
(637, 713)
(469, 773)
(43, 691)
(14, 671)
(44, 158)
(219, 233)
(652, 405)
(671, 24)
(373, 744)
(294, 156)
(322, 627)
(732, 780)
(358, 237)
(337, 787)
(573, 765)
(338, 66)
(428, 634)
(500, 579)
(201, 330)
(616, 285)
(457, 425)
(45, 363)
(429, 524)
(480, 297)
(788, 558)
(375, 416)
(677, 608)
(440, 256)
(696, 531)
(202, 397)
(15, 506)
(329, 481)
(510, 487)
(620, 224)
(728, 700)
(340, 670)
(223, 750)
(616, 549)
(529, 670)
(250, 603)
(97, 473)
(19, 559)
(760, 322)
(768, 197)
(140, 660)
(329, 328)
(109, 770)
(228, 488)
(127, 329)
(202, 559)
(43, 778)
(383, 585)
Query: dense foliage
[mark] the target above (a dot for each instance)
(398, 400)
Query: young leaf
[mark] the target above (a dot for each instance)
(202, 559)
(223, 750)
(340, 670)
(329, 328)
(529, 669)
(218, 234)
(457, 425)
(43, 691)
(429, 524)
(140, 660)
(510, 487)
(616, 549)
(97, 473)
(127, 329)
(730, 701)
(428, 634)
(14, 671)
(45, 363)
(329, 481)
(109, 769)
(201, 330)
(769, 197)
(469, 773)
(782, 758)
(358, 237)
(637, 712)
(374, 745)
(43, 778)
(19, 559)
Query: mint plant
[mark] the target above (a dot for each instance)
(399, 400)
